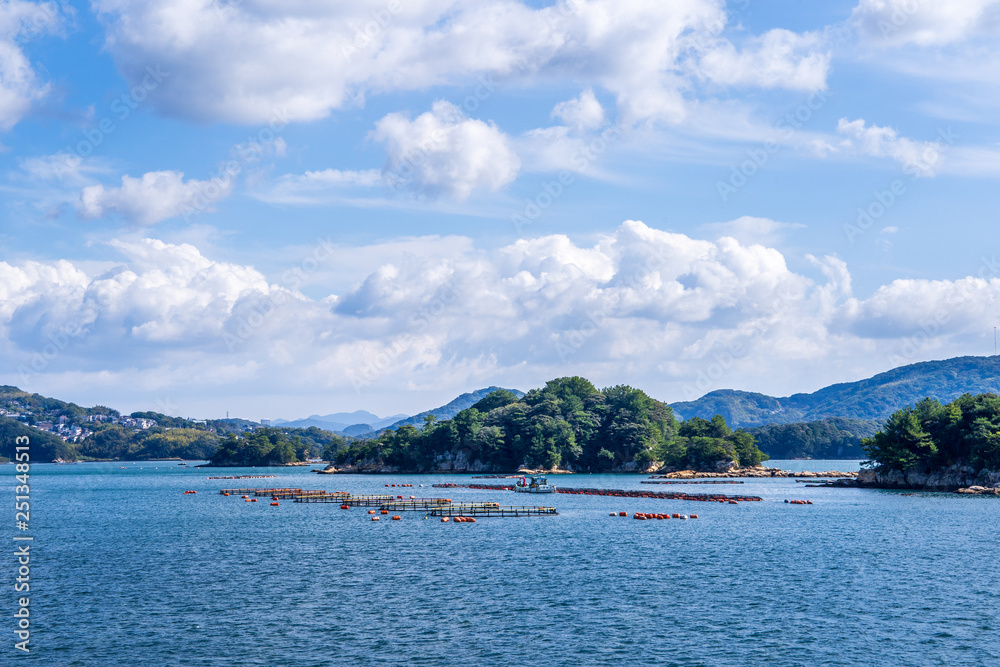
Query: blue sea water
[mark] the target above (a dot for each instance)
(127, 570)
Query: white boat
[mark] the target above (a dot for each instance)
(533, 485)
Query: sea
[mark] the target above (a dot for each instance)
(127, 569)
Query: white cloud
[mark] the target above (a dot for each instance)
(310, 187)
(924, 22)
(776, 59)
(920, 158)
(749, 230)
(581, 113)
(925, 309)
(66, 168)
(152, 198)
(240, 62)
(656, 309)
(20, 86)
(441, 152)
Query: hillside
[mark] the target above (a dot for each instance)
(874, 398)
(452, 408)
(834, 438)
(70, 432)
(567, 424)
(44, 446)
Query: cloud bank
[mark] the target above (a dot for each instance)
(671, 313)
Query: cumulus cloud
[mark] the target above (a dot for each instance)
(239, 62)
(20, 87)
(641, 305)
(581, 113)
(153, 197)
(900, 22)
(777, 59)
(920, 158)
(443, 152)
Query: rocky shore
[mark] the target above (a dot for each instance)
(980, 491)
(461, 465)
(952, 478)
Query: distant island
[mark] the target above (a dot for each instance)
(938, 447)
(566, 425)
(830, 423)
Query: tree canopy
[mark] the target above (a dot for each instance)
(566, 423)
(932, 435)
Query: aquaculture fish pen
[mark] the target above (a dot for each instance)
(618, 493)
(492, 510)
(425, 504)
(257, 490)
(354, 501)
(288, 495)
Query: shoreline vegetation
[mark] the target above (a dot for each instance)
(566, 425)
(938, 447)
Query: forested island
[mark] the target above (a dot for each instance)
(569, 425)
(937, 446)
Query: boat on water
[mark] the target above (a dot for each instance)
(533, 485)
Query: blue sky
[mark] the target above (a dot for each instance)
(282, 209)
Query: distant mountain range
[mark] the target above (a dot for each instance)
(349, 423)
(874, 398)
(451, 409)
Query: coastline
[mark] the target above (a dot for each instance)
(960, 479)
(655, 473)
(294, 464)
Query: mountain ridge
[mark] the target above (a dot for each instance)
(870, 398)
(453, 407)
